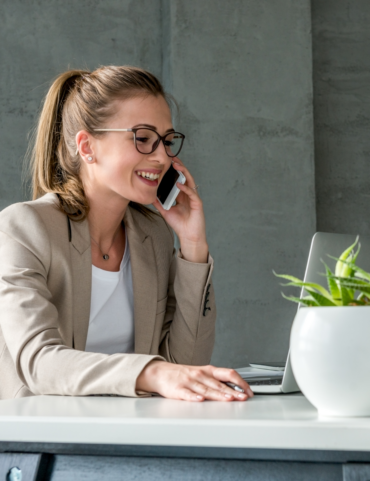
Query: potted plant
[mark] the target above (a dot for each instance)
(330, 338)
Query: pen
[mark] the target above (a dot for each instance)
(234, 386)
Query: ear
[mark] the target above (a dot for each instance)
(84, 144)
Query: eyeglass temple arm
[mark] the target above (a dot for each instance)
(109, 130)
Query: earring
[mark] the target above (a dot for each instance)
(89, 159)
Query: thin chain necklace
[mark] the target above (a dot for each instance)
(106, 256)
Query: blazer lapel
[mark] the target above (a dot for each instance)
(81, 275)
(144, 280)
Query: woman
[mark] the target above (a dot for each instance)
(93, 298)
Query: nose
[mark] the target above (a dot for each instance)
(160, 154)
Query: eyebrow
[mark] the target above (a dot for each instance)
(151, 127)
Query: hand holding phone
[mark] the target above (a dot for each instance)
(187, 217)
(168, 190)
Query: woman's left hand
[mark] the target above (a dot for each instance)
(187, 218)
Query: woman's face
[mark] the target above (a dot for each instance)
(114, 174)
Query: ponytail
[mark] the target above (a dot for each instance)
(52, 168)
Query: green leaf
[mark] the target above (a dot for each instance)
(347, 295)
(360, 275)
(348, 280)
(306, 302)
(347, 290)
(356, 254)
(340, 268)
(355, 270)
(333, 287)
(348, 270)
(359, 272)
(310, 285)
(321, 300)
(364, 298)
(289, 278)
(364, 292)
(351, 282)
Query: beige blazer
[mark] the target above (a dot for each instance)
(45, 294)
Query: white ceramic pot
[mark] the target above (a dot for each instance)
(330, 354)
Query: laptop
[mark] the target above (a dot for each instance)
(278, 377)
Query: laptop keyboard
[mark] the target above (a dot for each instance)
(268, 382)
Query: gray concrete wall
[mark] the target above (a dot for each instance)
(241, 71)
(341, 73)
(39, 39)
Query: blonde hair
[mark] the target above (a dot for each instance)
(80, 100)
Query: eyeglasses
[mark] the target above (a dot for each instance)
(147, 140)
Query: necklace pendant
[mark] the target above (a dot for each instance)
(105, 257)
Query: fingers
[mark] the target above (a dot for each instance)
(201, 381)
(178, 165)
(189, 395)
(192, 193)
(210, 389)
(230, 375)
(192, 383)
(216, 385)
(188, 187)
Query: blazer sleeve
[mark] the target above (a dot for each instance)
(188, 332)
(29, 320)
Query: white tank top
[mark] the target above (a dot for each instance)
(111, 324)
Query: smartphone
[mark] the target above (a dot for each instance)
(168, 190)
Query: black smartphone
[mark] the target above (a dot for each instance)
(167, 189)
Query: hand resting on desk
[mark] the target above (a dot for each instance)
(191, 383)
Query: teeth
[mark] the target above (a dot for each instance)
(148, 175)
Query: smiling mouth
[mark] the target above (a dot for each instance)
(148, 175)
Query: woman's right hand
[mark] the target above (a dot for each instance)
(191, 383)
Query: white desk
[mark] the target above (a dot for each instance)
(275, 422)
(266, 427)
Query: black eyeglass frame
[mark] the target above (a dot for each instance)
(160, 138)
